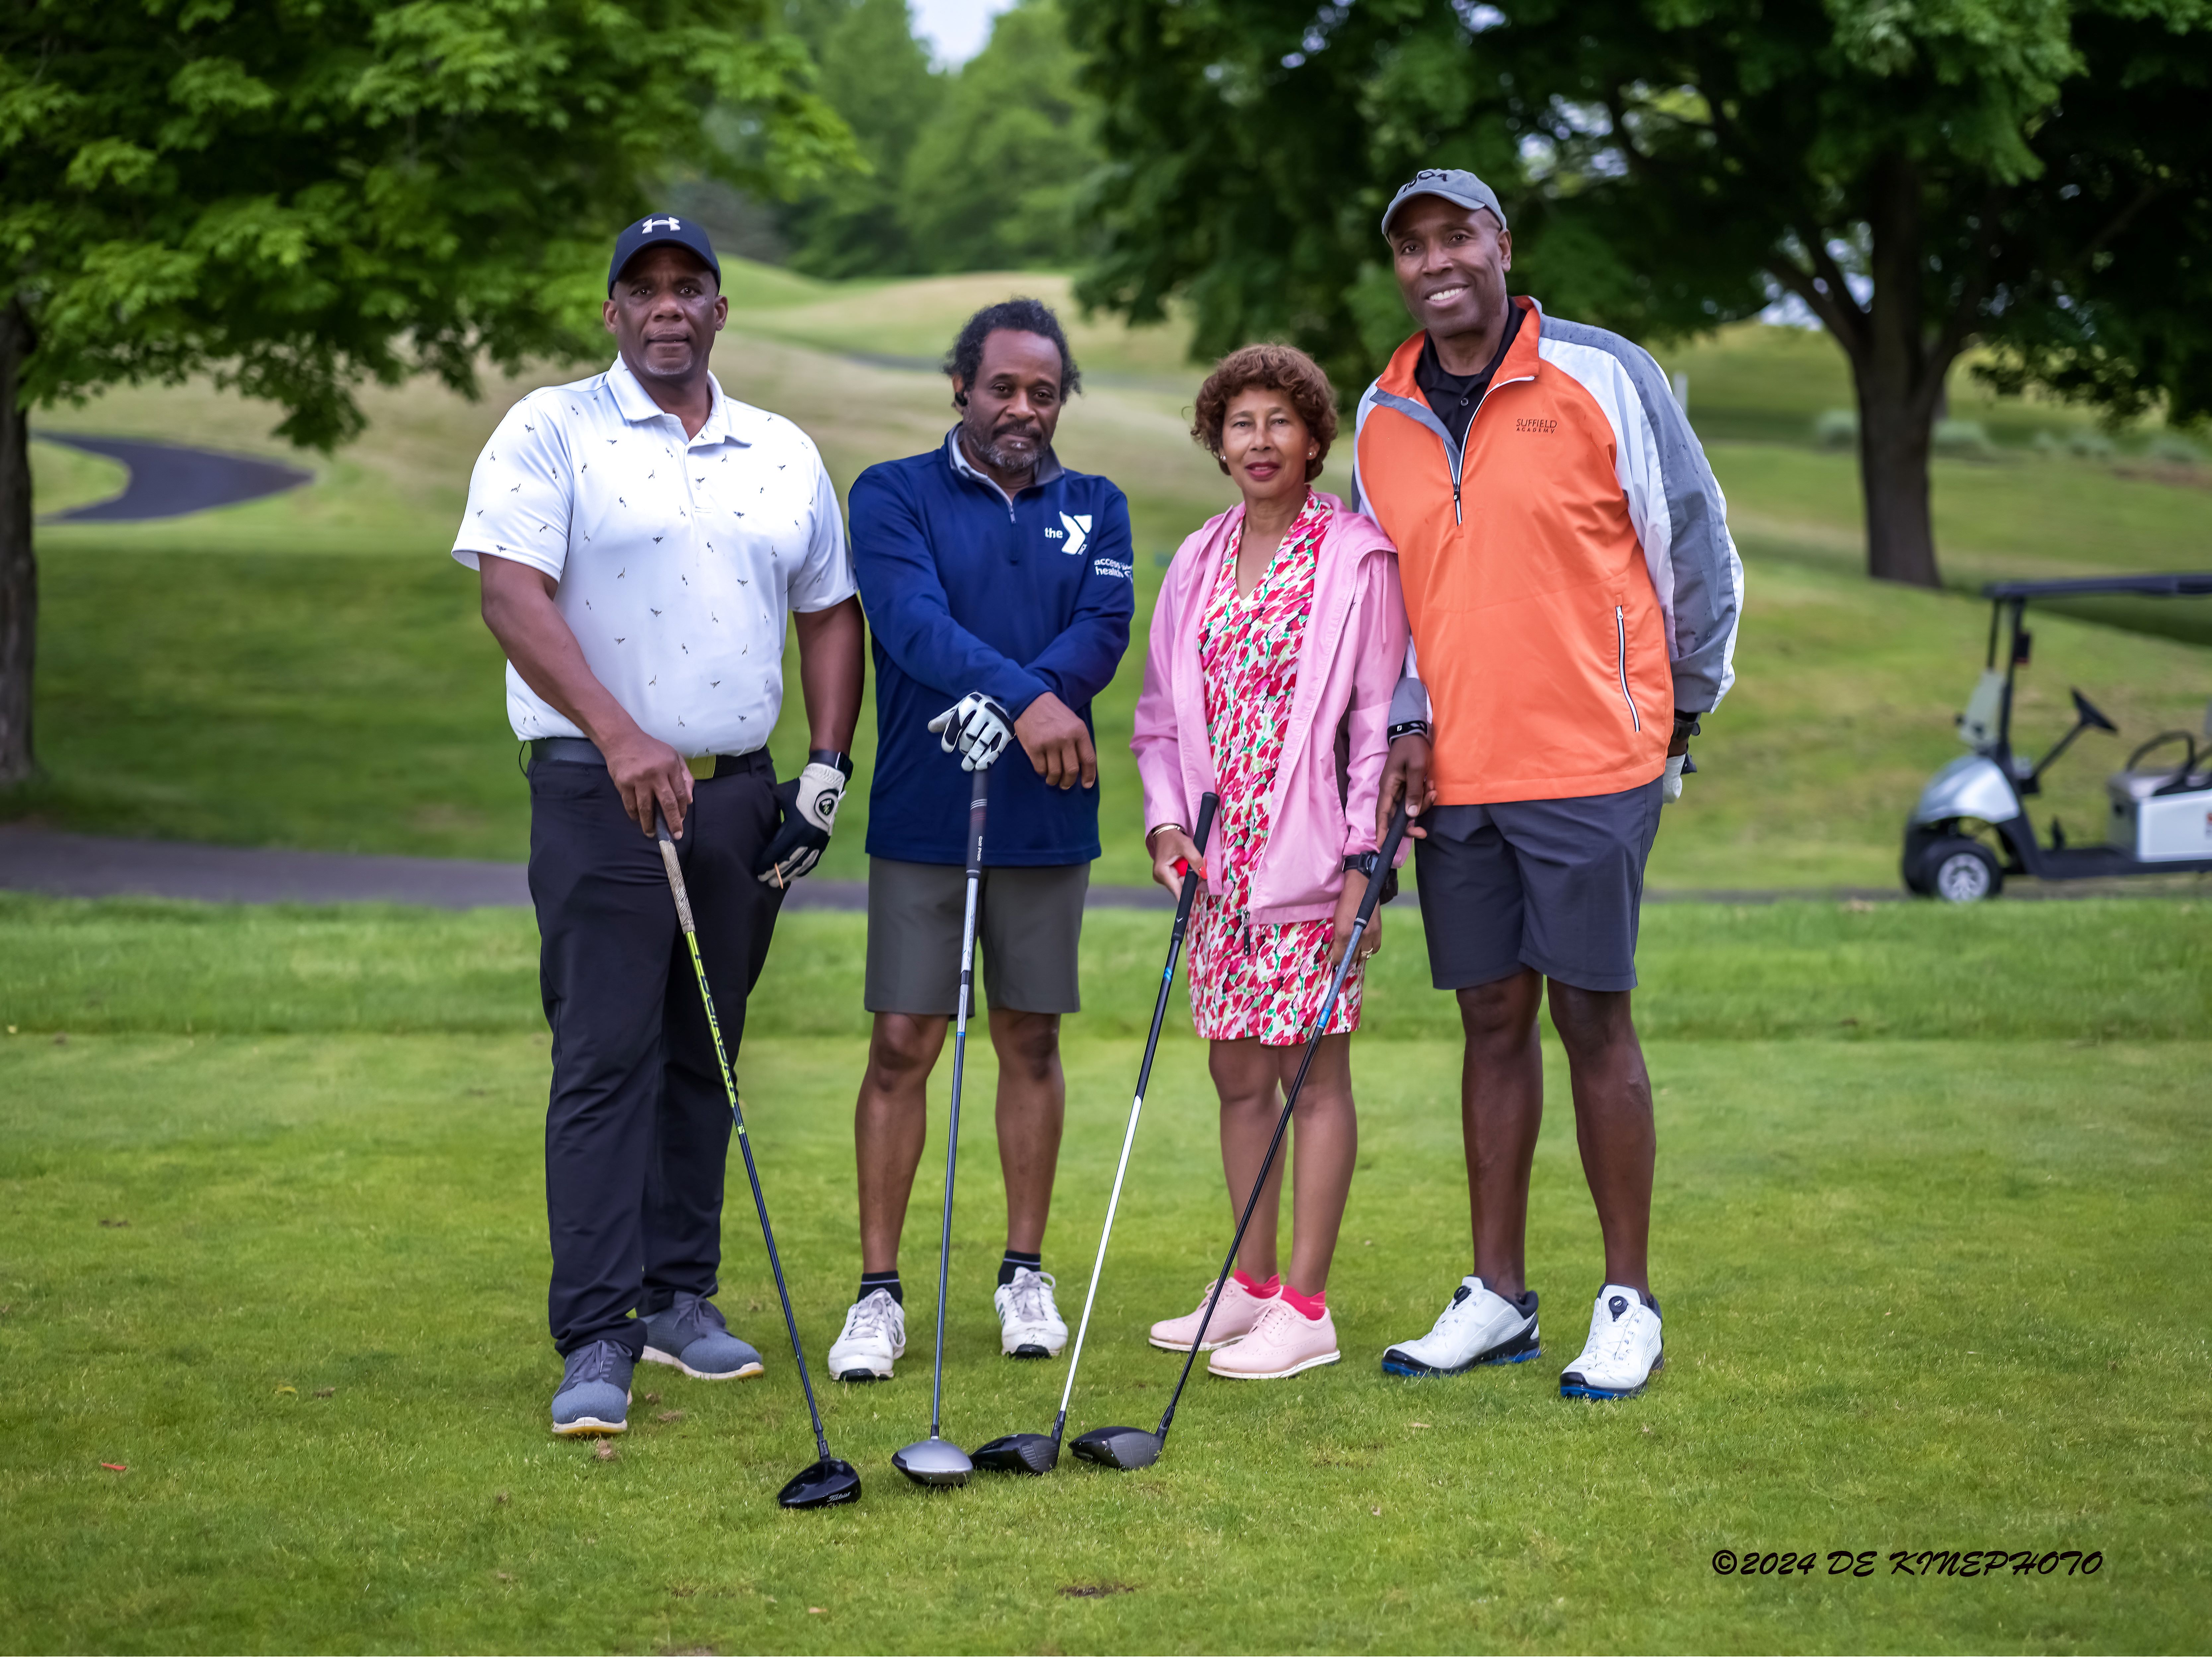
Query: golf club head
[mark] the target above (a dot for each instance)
(935, 1461)
(827, 1483)
(1020, 1453)
(1124, 1447)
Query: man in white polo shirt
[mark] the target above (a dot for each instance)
(640, 539)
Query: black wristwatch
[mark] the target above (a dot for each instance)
(1685, 725)
(1364, 863)
(843, 762)
(1408, 727)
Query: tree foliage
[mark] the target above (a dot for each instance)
(2028, 174)
(979, 168)
(295, 196)
(878, 77)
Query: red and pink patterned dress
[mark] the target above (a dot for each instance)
(1248, 980)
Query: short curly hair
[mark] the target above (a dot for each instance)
(965, 360)
(1275, 367)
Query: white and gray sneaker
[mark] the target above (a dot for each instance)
(1623, 1350)
(1478, 1327)
(874, 1335)
(1030, 1324)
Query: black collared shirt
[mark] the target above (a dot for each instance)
(1452, 397)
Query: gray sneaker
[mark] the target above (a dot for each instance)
(691, 1336)
(593, 1399)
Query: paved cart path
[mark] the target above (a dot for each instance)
(168, 480)
(87, 866)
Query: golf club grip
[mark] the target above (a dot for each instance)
(675, 871)
(978, 799)
(1391, 840)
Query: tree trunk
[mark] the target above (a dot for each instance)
(19, 571)
(1900, 380)
(1893, 444)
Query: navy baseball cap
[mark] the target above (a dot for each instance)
(652, 231)
(1454, 184)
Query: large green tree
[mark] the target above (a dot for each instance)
(2035, 175)
(879, 78)
(995, 180)
(297, 196)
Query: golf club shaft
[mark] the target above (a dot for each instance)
(1206, 807)
(737, 1116)
(1367, 902)
(978, 795)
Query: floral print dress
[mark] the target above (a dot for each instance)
(1250, 980)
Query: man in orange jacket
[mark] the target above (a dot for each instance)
(1573, 594)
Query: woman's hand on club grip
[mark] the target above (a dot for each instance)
(1168, 846)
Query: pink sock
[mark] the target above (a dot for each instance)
(1254, 1287)
(1309, 1306)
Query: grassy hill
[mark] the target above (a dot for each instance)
(308, 670)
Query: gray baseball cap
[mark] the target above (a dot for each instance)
(1452, 183)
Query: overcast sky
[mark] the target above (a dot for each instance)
(958, 28)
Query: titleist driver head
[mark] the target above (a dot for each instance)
(1124, 1447)
(1020, 1453)
(935, 1461)
(828, 1483)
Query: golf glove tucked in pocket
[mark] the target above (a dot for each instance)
(810, 802)
(976, 729)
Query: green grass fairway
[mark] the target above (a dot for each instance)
(1928, 1182)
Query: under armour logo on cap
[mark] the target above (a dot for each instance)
(658, 229)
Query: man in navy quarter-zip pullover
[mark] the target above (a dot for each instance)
(999, 587)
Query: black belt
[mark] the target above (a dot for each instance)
(576, 751)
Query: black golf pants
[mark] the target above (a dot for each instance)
(638, 1128)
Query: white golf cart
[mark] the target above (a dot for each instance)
(2160, 816)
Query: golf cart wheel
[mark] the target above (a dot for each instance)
(1961, 871)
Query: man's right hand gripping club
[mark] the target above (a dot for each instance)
(1058, 743)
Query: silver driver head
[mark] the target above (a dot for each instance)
(935, 1461)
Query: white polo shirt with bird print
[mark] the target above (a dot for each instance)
(678, 561)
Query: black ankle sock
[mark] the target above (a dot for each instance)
(1016, 1258)
(887, 1281)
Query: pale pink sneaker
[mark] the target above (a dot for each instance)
(1232, 1320)
(1283, 1341)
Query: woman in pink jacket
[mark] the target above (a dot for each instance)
(1275, 645)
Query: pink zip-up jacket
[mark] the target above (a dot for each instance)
(1337, 734)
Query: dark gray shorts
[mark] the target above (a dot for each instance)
(1556, 885)
(1029, 926)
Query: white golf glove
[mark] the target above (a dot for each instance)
(976, 729)
(810, 802)
(1670, 786)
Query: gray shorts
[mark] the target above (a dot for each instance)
(1556, 885)
(1028, 926)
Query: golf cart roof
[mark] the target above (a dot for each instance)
(2181, 586)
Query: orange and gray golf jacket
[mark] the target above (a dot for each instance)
(1569, 575)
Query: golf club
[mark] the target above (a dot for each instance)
(1131, 1448)
(1033, 1453)
(829, 1482)
(933, 1461)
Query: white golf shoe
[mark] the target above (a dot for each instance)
(1478, 1327)
(874, 1335)
(1030, 1324)
(1623, 1350)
